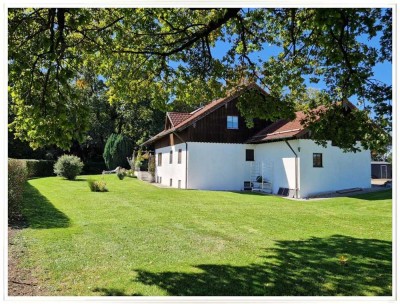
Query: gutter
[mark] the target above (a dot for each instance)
(186, 159)
(296, 173)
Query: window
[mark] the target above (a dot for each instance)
(170, 182)
(232, 122)
(249, 155)
(159, 159)
(160, 180)
(179, 184)
(170, 156)
(179, 156)
(317, 160)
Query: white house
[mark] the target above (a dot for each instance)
(212, 149)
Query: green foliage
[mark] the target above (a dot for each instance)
(130, 173)
(151, 57)
(97, 186)
(39, 168)
(252, 105)
(68, 166)
(121, 173)
(116, 151)
(139, 159)
(346, 126)
(17, 176)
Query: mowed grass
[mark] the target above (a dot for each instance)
(138, 239)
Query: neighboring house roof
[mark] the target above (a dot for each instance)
(177, 117)
(280, 129)
(201, 112)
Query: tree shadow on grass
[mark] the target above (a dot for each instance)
(336, 265)
(113, 292)
(39, 213)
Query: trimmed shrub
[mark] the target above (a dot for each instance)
(39, 168)
(116, 151)
(97, 186)
(17, 176)
(68, 166)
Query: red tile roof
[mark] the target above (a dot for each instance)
(280, 129)
(283, 128)
(177, 117)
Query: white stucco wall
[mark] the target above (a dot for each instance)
(340, 170)
(175, 171)
(282, 160)
(218, 166)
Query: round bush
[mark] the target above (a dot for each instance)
(68, 166)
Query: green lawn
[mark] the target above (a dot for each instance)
(138, 239)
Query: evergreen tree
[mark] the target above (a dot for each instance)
(116, 150)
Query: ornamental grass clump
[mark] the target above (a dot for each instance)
(97, 186)
(121, 173)
(68, 166)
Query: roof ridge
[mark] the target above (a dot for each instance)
(178, 112)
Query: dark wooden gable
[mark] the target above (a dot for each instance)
(213, 128)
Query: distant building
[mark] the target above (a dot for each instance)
(381, 169)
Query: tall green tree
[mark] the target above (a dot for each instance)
(165, 55)
(116, 150)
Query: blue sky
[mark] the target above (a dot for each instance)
(382, 71)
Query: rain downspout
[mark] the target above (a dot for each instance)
(186, 159)
(296, 177)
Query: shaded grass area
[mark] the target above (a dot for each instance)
(40, 213)
(138, 239)
(294, 268)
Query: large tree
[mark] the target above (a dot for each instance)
(165, 55)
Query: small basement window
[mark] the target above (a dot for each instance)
(179, 183)
(232, 122)
(249, 155)
(159, 159)
(170, 182)
(317, 160)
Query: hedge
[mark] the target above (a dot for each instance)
(17, 175)
(39, 168)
